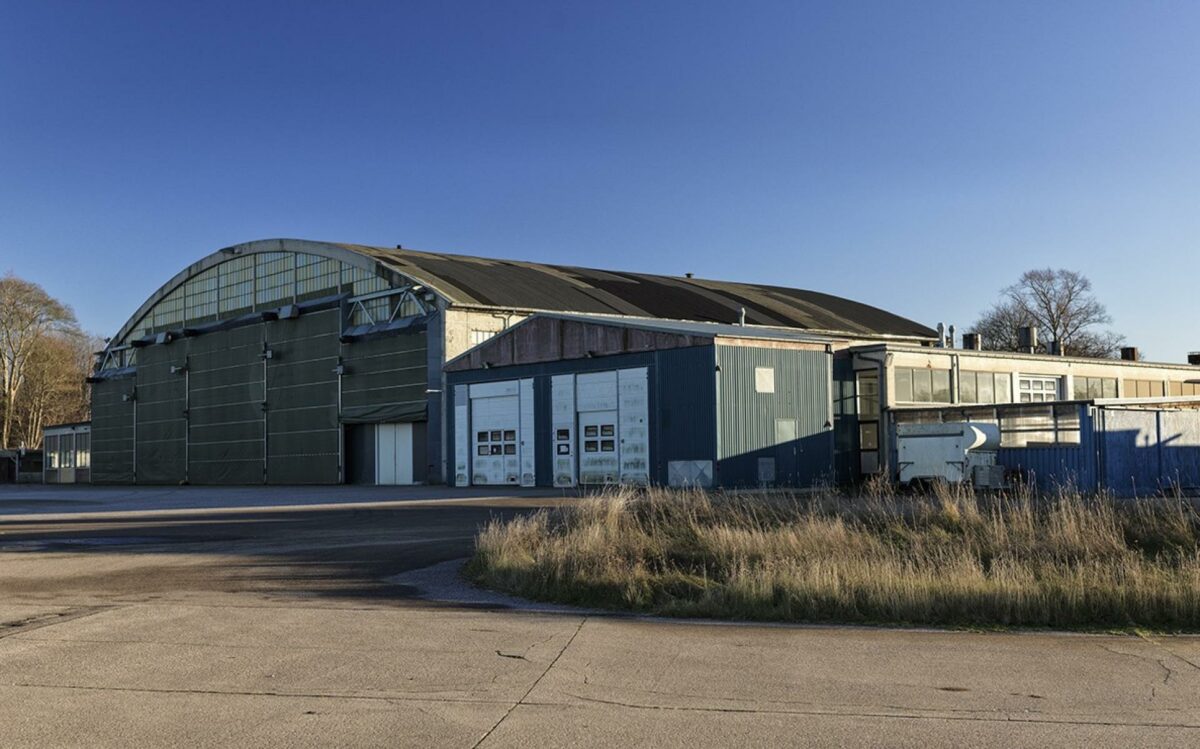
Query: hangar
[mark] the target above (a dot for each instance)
(290, 361)
(297, 362)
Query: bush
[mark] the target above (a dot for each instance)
(947, 558)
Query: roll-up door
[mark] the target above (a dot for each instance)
(495, 424)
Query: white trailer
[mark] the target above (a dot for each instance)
(956, 453)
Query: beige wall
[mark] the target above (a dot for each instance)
(460, 322)
(1017, 364)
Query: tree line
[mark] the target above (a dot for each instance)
(45, 359)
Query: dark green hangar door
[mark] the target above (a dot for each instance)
(303, 434)
(250, 405)
(226, 407)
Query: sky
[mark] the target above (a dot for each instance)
(917, 156)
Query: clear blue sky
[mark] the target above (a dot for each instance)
(917, 156)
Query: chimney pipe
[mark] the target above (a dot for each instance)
(1027, 338)
(688, 275)
(1129, 353)
(1056, 348)
(941, 329)
(742, 316)
(952, 336)
(1194, 358)
(972, 341)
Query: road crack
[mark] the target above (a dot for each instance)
(533, 686)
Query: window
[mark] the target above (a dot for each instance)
(1040, 425)
(922, 385)
(1144, 389)
(868, 436)
(50, 451)
(1037, 389)
(1086, 388)
(1185, 388)
(984, 387)
(479, 336)
(868, 419)
(83, 450)
(764, 379)
(268, 280)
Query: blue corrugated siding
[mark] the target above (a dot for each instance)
(1126, 452)
(1056, 467)
(747, 420)
(682, 386)
(1051, 468)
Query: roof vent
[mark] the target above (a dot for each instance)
(1194, 358)
(689, 275)
(972, 341)
(1129, 353)
(742, 316)
(1027, 339)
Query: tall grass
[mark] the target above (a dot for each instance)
(945, 558)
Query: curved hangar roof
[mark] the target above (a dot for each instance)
(514, 285)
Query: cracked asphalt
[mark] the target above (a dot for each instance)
(265, 624)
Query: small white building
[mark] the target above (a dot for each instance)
(67, 454)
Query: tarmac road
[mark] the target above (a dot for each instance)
(263, 624)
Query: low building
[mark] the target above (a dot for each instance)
(569, 400)
(67, 453)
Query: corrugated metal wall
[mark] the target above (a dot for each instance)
(1129, 452)
(161, 414)
(303, 433)
(1179, 448)
(788, 432)
(1145, 452)
(227, 417)
(385, 378)
(231, 415)
(684, 393)
(112, 431)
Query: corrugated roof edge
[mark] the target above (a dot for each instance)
(688, 327)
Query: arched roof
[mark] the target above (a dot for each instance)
(465, 280)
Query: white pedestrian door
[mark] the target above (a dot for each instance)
(393, 454)
(599, 450)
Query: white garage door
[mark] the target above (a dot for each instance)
(495, 434)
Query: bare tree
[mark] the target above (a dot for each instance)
(1061, 304)
(55, 389)
(27, 316)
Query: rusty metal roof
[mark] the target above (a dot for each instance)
(511, 284)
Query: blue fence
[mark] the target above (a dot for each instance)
(1128, 452)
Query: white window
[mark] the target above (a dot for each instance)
(764, 379)
(1037, 389)
(479, 336)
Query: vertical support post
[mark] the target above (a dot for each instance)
(187, 420)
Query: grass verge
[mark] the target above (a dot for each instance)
(949, 558)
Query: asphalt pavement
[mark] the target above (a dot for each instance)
(270, 622)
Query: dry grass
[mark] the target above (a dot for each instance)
(949, 558)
